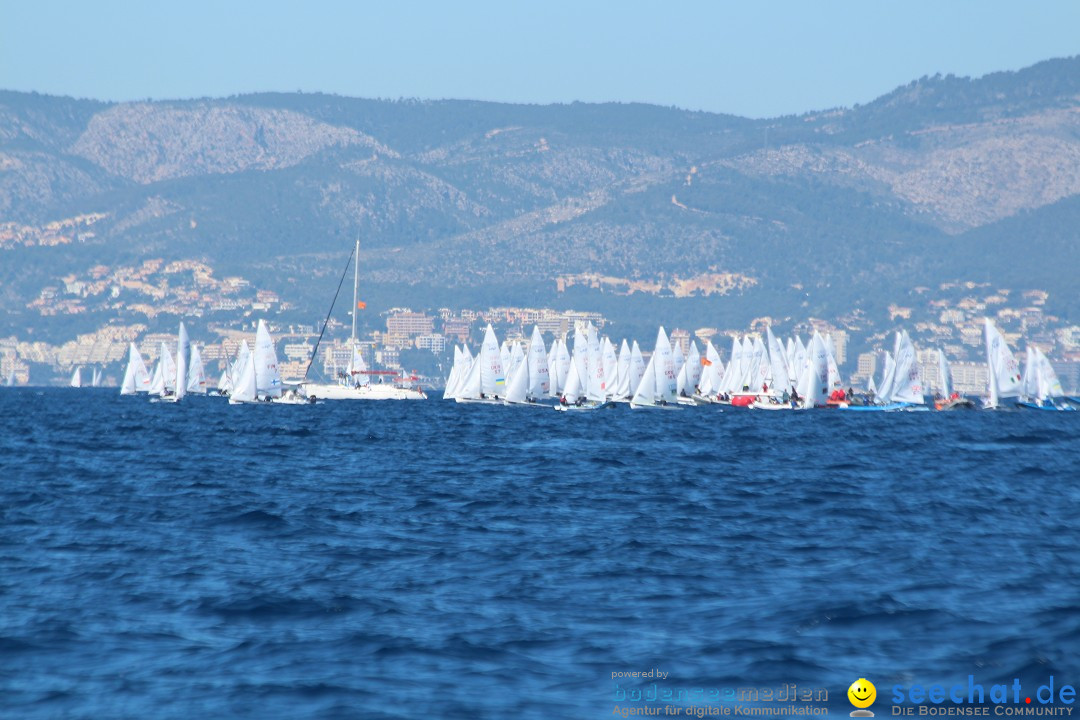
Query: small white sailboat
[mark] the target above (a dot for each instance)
(949, 400)
(10, 382)
(1046, 386)
(245, 389)
(907, 383)
(530, 380)
(712, 374)
(136, 377)
(646, 395)
(76, 378)
(267, 375)
(1004, 371)
(196, 373)
(485, 382)
(623, 388)
(814, 385)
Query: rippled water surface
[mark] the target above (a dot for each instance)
(412, 560)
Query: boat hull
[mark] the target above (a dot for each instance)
(759, 405)
(958, 404)
(365, 392)
(584, 408)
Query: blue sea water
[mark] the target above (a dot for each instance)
(415, 560)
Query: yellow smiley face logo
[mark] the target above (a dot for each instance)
(862, 693)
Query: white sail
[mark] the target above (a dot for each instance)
(946, 376)
(646, 390)
(580, 355)
(594, 387)
(1029, 382)
(801, 359)
(664, 368)
(835, 383)
(888, 375)
(241, 359)
(689, 378)
(611, 367)
(95, 377)
(1003, 369)
(196, 373)
(539, 372)
(183, 348)
(622, 384)
(168, 370)
(136, 378)
(907, 383)
(357, 370)
(781, 381)
(224, 384)
(1049, 384)
(517, 358)
(157, 380)
(637, 368)
(814, 386)
(246, 388)
(712, 370)
(760, 370)
(733, 373)
(563, 361)
(267, 375)
(76, 378)
(553, 379)
(492, 379)
(679, 361)
(506, 359)
(10, 378)
(472, 383)
(455, 376)
(790, 359)
(517, 387)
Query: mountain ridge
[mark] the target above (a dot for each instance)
(469, 195)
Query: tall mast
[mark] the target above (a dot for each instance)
(355, 289)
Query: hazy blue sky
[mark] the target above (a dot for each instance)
(749, 58)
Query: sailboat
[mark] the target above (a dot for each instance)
(657, 387)
(901, 382)
(712, 374)
(814, 384)
(10, 379)
(356, 386)
(1041, 384)
(76, 378)
(196, 373)
(245, 387)
(777, 380)
(949, 400)
(136, 378)
(95, 377)
(530, 381)
(1004, 371)
(485, 382)
(179, 375)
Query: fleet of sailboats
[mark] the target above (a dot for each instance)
(587, 372)
(763, 373)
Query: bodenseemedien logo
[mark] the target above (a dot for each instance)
(862, 694)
